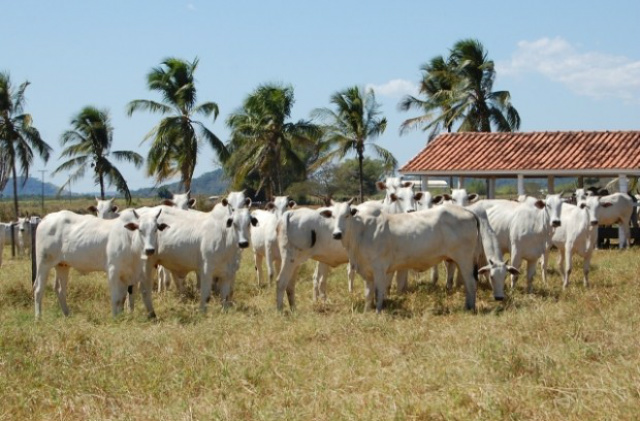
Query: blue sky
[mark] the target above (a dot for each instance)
(569, 65)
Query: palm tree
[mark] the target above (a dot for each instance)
(353, 125)
(89, 144)
(461, 88)
(264, 144)
(18, 137)
(176, 138)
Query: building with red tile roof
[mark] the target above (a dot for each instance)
(529, 154)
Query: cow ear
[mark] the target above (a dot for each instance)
(539, 204)
(437, 199)
(418, 195)
(270, 205)
(407, 184)
(393, 197)
(380, 185)
(254, 221)
(606, 204)
(292, 204)
(163, 226)
(114, 209)
(192, 203)
(131, 226)
(447, 196)
(473, 197)
(582, 205)
(225, 202)
(354, 211)
(247, 202)
(92, 208)
(513, 270)
(484, 270)
(229, 222)
(326, 213)
(168, 202)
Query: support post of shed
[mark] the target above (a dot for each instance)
(521, 191)
(623, 183)
(424, 183)
(461, 182)
(551, 189)
(491, 188)
(580, 182)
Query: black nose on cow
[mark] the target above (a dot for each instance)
(243, 244)
(556, 224)
(411, 210)
(337, 235)
(499, 298)
(149, 252)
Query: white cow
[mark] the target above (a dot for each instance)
(577, 234)
(67, 240)
(264, 238)
(619, 212)
(206, 243)
(379, 243)
(104, 209)
(181, 201)
(524, 229)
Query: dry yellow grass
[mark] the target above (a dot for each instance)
(550, 355)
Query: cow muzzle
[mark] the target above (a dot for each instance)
(149, 252)
(243, 244)
(556, 224)
(337, 235)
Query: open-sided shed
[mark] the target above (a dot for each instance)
(529, 155)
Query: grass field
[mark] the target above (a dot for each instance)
(550, 355)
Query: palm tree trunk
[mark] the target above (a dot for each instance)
(361, 175)
(101, 187)
(15, 191)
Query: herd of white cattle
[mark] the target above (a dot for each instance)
(380, 240)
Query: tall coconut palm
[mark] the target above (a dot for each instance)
(264, 143)
(177, 137)
(88, 144)
(353, 125)
(461, 88)
(18, 137)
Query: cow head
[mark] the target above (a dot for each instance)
(104, 209)
(553, 205)
(592, 204)
(241, 221)
(280, 204)
(340, 212)
(497, 274)
(424, 200)
(403, 200)
(460, 197)
(147, 227)
(181, 201)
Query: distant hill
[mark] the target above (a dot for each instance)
(210, 183)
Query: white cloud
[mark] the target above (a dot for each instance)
(395, 88)
(594, 74)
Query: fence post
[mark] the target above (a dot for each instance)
(33, 222)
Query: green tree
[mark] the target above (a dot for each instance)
(264, 145)
(88, 144)
(460, 87)
(353, 125)
(18, 137)
(177, 137)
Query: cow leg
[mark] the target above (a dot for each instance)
(284, 278)
(320, 282)
(531, 271)
(118, 291)
(39, 286)
(624, 233)
(351, 276)
(450, 272)
(369, 294)
(516, 261)
(470, 283)
(62, 276)
(145, 281)
(567, 265)
(544, 262)
(226, 290)
(258, 257)
(434, 275)
(587, 267)
(291, 290)
(380, 282)
(206, 284)
(402, 281)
